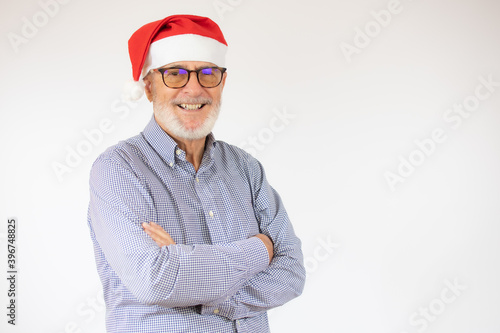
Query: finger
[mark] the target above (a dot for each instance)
(153, 228)
(150, 231)
(158, 234)
(158, 239)
(157, 227)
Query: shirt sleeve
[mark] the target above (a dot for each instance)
(284, 278)
(170, 276)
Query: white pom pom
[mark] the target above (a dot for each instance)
(133, 90)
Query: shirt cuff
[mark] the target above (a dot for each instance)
(225, 309)
(257, 259)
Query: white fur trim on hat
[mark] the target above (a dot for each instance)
(186, 47)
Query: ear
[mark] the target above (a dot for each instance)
(148, 88)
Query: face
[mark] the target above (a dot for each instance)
(187, 113)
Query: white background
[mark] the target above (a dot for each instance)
(378, 256)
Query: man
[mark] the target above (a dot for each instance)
(188, 234)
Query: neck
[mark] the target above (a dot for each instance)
(194, 150)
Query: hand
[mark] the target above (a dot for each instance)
(269, 245)
(160, 236)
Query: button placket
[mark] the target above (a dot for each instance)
(202, 185)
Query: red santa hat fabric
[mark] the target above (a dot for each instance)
(174, 38)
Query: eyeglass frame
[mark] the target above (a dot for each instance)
(197, 71)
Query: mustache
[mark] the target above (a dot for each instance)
(191, 100)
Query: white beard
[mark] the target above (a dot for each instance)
(165, 115)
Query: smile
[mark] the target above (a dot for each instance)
(191, 106)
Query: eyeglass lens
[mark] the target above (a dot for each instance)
(207, 77)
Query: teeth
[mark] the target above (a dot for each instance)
(191, 106)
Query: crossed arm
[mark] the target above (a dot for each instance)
(237, 278)
(162, 238)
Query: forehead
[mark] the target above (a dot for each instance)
(190, 64)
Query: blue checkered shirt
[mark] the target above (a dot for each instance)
(217, 277)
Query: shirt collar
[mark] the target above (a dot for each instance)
(166, 147)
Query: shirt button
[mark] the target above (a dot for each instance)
(171, 164)
(216, 311)
(178, 151)
(197, 180)
(211, 213)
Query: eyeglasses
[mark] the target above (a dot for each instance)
(208, 77)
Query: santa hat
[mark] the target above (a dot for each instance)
(175, 38)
